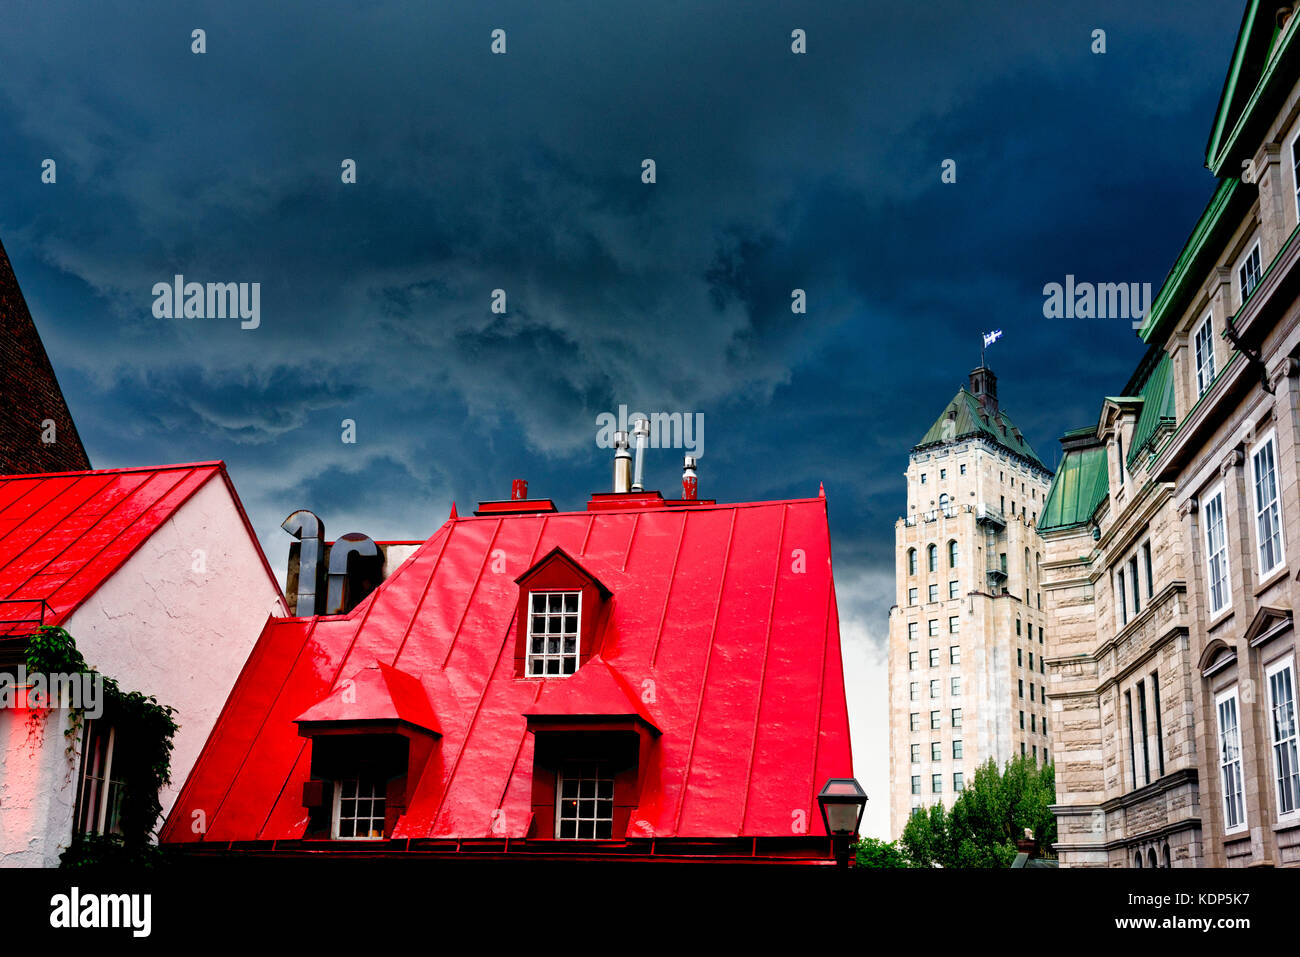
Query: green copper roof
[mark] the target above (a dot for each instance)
(968, 422)
(1157, 406)
(1078, 488)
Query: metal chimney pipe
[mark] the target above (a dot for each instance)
(518, 490)
(690, 482)
(622, 463)
(640, 429)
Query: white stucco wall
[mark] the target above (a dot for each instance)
(177, 621)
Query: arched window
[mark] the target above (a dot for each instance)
(1168, 863)
(911, 561)
(952, 553)
(932, 556)
(943, 501)
(1137, 860)
(1151, 858)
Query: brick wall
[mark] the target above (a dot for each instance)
(29, 393)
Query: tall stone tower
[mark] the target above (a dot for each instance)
(966, 639)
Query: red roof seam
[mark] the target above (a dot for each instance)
(821, 692)
(762, 680)
(478, 578)
(261, 725)
(424, 594)
(192, 466)
(4, 538)
(469, 730)
(514, 765)
(582, 550)
(631, 539)
(704, 681)
(58, 617)
(668, 594)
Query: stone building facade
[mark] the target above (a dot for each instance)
(1211, 483)
(1119, 669)
(966, 634)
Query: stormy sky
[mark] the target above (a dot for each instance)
(523, 172)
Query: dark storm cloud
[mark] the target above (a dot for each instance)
(521, 172)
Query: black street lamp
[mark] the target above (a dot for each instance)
(843, 802)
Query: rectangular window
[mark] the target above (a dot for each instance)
(1040, 634)
(1268, 515)
(1031, 691)
(1295, 172)
(1286, 766)
(1216, 552)
(1020, 658)
(954, 625)
(1234, 807)
(913, 629)
(1017, 626)
(943, 474)
(1022, 720)
(936, 783)
(934, 627)
(915, 690)
(1142, 723)
(1146, 557)
(1204, 344)
(957, 750)
(955, 685)
(1248, 274)
(585, 809)
(958, 783)
(954, 654)
(1133, 580)
(956, 717)
(359, 805)
(963, 470)
(1033, 722)
(934, 593)
(1160, 733)
(922, 478)
(916, 754)
(1132, 750)
(934, 687)
(911, 596)
(936, 750)
(1119, 593)
(553, 633)
(952, 590)
(934, 720)
(911, 660)
(934, 657)
(1022, 687)
(100, 794)
(915, 721)
(916, 784)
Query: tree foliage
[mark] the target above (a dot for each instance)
(987, 818)
(870, 852)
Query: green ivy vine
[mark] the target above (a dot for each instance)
(145, 765)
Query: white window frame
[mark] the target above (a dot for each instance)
(1284, 745)
(99, 794)
(378, 796)
(543, 658)
(954, 590)
(1268, 440)
(1295, 171)
(1205, 366)
(598, 773)
(1211, 553)
(1224, 764)
(1252, 253)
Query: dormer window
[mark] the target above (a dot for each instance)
(359, 808)
(561, 606)
(553, 632)
(584, 809)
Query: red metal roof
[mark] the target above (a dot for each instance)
(63, 534)
(719, 634)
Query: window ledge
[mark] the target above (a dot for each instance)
(1218, 619)
(1275, 576)
(1287, 823)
